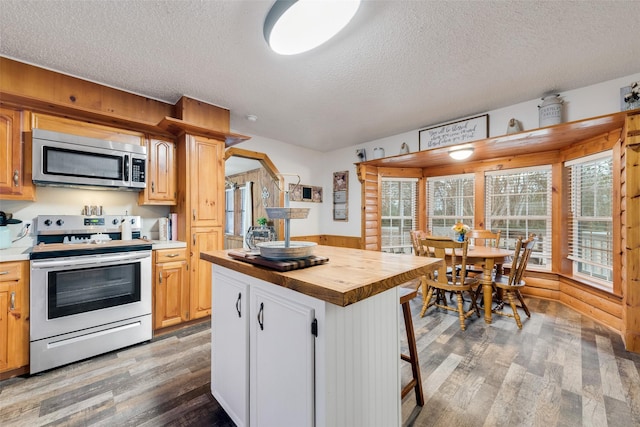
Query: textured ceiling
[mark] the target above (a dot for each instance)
(398, 66)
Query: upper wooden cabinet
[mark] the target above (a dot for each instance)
(161, 173)
(206, 191)
(15, 158)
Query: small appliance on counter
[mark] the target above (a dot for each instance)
(5, 231)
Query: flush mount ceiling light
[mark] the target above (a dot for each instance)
(461, 153)
(293, 27)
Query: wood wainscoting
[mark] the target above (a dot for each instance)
(352, 242)
(601, 306)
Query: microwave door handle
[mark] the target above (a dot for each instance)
(126, 168)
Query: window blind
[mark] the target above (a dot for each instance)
(518, 202)
(591, 216)
(450, 199)
(398, 213)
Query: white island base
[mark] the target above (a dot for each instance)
(282, 375)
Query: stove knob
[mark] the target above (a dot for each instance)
(115, 222)
(59, 222)
(133, 221)
(47, 222)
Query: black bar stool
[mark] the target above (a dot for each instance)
(407, 295)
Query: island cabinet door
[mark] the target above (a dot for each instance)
(230, 346)
(282, 361)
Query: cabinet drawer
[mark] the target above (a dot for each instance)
(168, 255)
(9, 271)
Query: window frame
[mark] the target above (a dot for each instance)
(459, 215)
(405, 245)
(543, 249)
(574, 207)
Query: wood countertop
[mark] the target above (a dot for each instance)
(351, 275)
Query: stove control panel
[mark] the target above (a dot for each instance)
(70, 224)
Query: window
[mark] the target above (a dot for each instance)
(398, 214)
(591, 220)
(449, 200)
(518, 202)
(229, 208)
(237, 210)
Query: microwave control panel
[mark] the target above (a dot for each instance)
(137, 170)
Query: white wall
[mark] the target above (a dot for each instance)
(596, 100)
(70, 201)
(306, 163)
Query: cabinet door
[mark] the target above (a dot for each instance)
(171, 294)
(207, 182)
(14, 164)
(203, 239)
(282, 361)
(161, 173)
(230, 346)
(14, 312)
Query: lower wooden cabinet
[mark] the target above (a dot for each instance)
(14, 315)
(202, 239)
(171, 288)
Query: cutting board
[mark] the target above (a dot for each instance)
(280, 265)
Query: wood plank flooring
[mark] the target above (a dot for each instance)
(561, 369)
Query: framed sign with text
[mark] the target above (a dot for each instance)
(454, 133)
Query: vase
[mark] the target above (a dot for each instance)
(460, 237)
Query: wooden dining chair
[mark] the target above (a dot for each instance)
(484, 237)
(512, 284)
(449, 278)
(416, 236)
(479, 237)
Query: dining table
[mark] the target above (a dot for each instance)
(489, 257)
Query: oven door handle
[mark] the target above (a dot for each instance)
(88, 261)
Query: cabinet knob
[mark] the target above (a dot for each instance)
(16, 177)
(194, 214)
(160, 277)
(171, 255)
(153, 187)
(12, 301)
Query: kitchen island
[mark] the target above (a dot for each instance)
(315, 346)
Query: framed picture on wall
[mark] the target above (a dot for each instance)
(340, 195)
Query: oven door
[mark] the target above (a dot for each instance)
(80, 292)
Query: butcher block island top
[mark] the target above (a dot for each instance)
(350, 275)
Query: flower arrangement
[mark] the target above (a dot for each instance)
(460, 228)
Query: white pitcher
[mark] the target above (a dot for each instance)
(378, 153)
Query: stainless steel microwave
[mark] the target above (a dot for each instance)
(71, 160)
